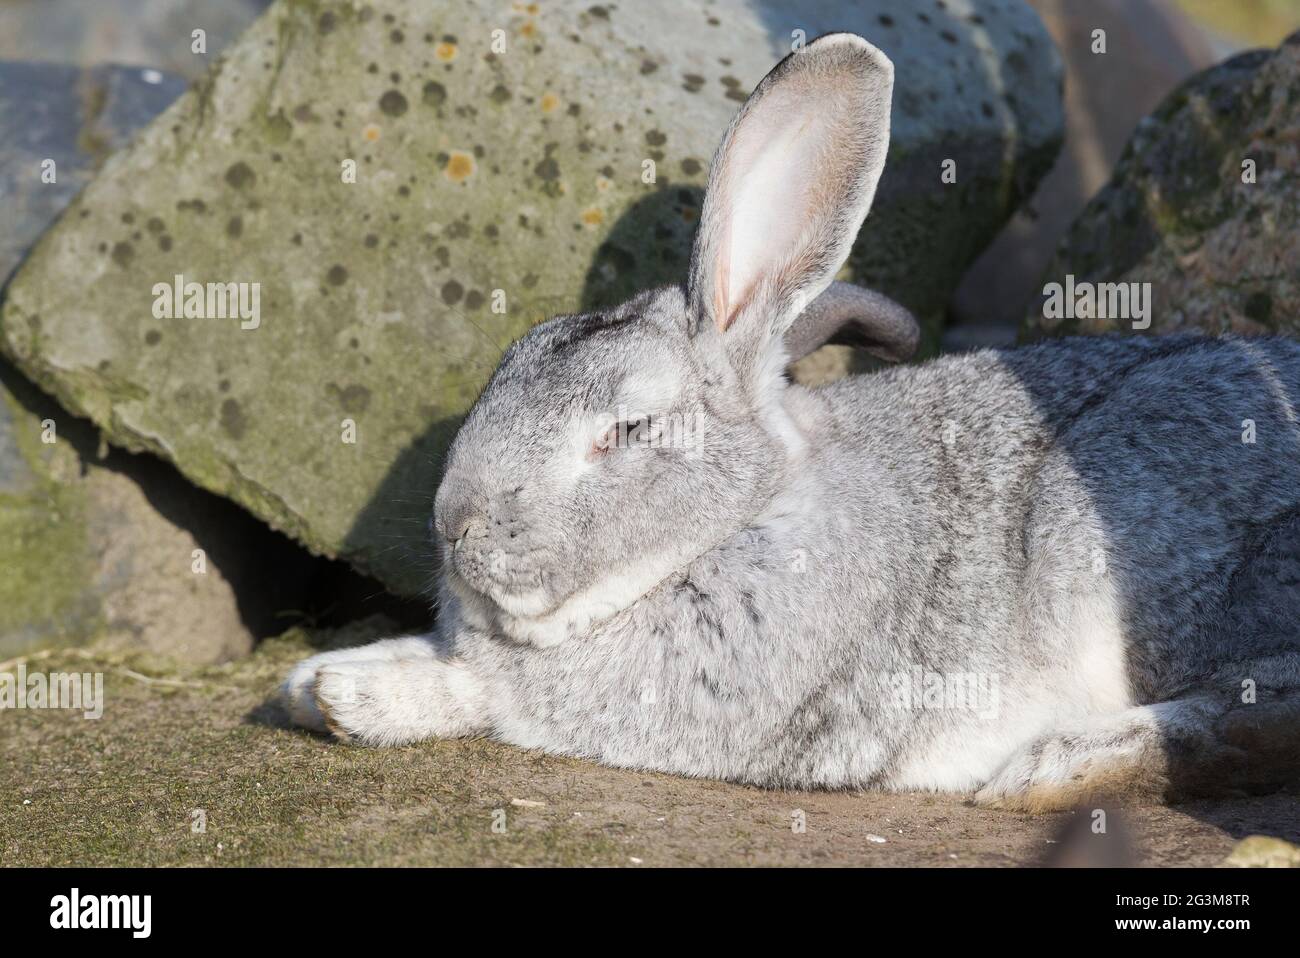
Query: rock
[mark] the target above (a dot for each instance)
(1263, 851)
(1151, 47)
(73, 118)
(105, 549)
(1221, 254)
(148, 33)
(98, 546)
(493, 188)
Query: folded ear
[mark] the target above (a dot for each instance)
(788, 189)
(853, 316)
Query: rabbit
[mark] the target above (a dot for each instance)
(1031, 575)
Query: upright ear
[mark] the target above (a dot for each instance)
(789, 187)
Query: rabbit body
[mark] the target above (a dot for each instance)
(967, 518)
(1036, 572)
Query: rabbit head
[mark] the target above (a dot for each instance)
(610, 449)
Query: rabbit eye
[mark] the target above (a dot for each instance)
(626, 435)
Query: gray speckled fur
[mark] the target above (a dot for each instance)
(1077, 523)
(954, 556)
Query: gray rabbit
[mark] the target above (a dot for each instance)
(1036, 574)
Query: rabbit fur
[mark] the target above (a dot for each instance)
(1034, 574)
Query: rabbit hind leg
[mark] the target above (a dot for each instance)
(1202, 745)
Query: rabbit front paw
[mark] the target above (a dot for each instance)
(347, 698)
(397, 701)
(378, 693)
(378, 702)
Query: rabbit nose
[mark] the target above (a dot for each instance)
(471, 525)
(461, 521)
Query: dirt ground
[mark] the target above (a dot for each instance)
(194, 768)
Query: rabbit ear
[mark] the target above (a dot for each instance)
(790, 185)
(853, 316)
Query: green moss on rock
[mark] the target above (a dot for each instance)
(45, 569)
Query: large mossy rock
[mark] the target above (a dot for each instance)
(1222, 253)
(493, 187)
